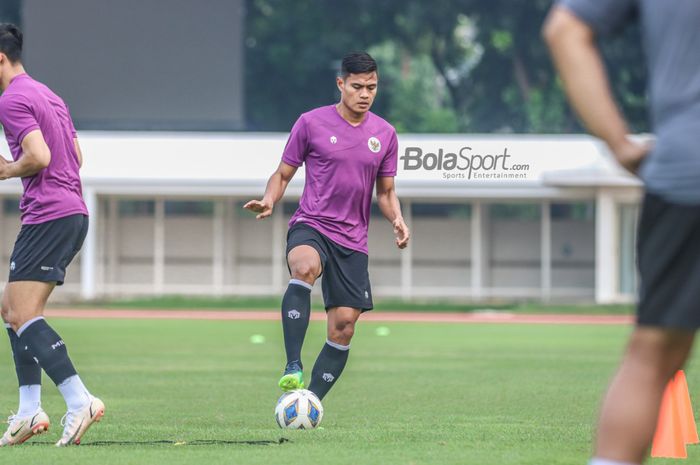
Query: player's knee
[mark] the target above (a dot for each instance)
(14, 319)
(342, 332)
(5, 312)
(305, 271)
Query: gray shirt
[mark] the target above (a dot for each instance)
(671, 38)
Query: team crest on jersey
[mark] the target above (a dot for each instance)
(374, 144)
(334, 139)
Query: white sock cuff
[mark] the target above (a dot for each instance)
(335, 345)
(597, 461)
(299, 282)
(66, 381)
(28, 324)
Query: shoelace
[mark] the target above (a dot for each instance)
(67, 419)
(11, 418)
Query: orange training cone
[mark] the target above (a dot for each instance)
(668, 439)
(690, 430)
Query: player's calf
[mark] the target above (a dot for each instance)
(334, 354)
(296, 313)
(51, 352)
(328, 367)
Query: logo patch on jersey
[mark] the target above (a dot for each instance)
(334, 139)
(12, 266)
(374, 144)
(46, 268)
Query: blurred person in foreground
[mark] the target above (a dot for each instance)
(668, 245)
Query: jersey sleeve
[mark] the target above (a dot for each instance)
(391, 158)
(71, 126)
(297, 145)
(17, 117)
(605, 17)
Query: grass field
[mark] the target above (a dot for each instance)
(424, 394)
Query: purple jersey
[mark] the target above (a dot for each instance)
(54, 192)
(343, 163)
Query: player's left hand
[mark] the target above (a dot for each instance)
(402, 233)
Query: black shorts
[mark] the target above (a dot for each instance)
(345, 277)
(43, 251)
(668, 256)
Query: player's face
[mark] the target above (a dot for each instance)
(357, 91)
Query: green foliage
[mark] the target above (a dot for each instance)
(412, 95)
(445, 65)
(293, 52)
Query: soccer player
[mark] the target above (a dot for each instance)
(668, 250)
(346, 150)
(47, 157)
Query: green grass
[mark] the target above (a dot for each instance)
(269, 303)
(425, 394)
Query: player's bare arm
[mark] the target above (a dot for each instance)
(577, 58)
(274, 191)
(35, 157)
(390, 207)
(78, 152)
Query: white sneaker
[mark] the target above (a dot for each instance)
(23, 428)
(76, 423)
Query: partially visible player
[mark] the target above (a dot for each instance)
(347, 151)
(47, 157)
(668, 246)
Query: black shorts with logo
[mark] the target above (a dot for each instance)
(668, 256)
(345, 277)
(43, 251)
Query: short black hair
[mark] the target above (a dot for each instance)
(11, 42)
(357, 63)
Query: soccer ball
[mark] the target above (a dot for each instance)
(299, 409)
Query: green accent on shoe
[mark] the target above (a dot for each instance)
(291, 381)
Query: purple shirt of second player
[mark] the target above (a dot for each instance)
(55, 191)
(342, 165)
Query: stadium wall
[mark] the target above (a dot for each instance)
(562, 233)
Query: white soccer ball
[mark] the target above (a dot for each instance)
(299, 409)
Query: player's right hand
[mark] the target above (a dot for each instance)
(631, 154)
(3, 163)
(261, 207)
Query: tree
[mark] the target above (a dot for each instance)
(455, 65)
(293, 52)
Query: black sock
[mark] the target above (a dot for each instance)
(48, 347)
(27, 368)
(328, 367)
(296, 312)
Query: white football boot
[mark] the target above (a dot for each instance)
(22, 428)
(77, 422)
